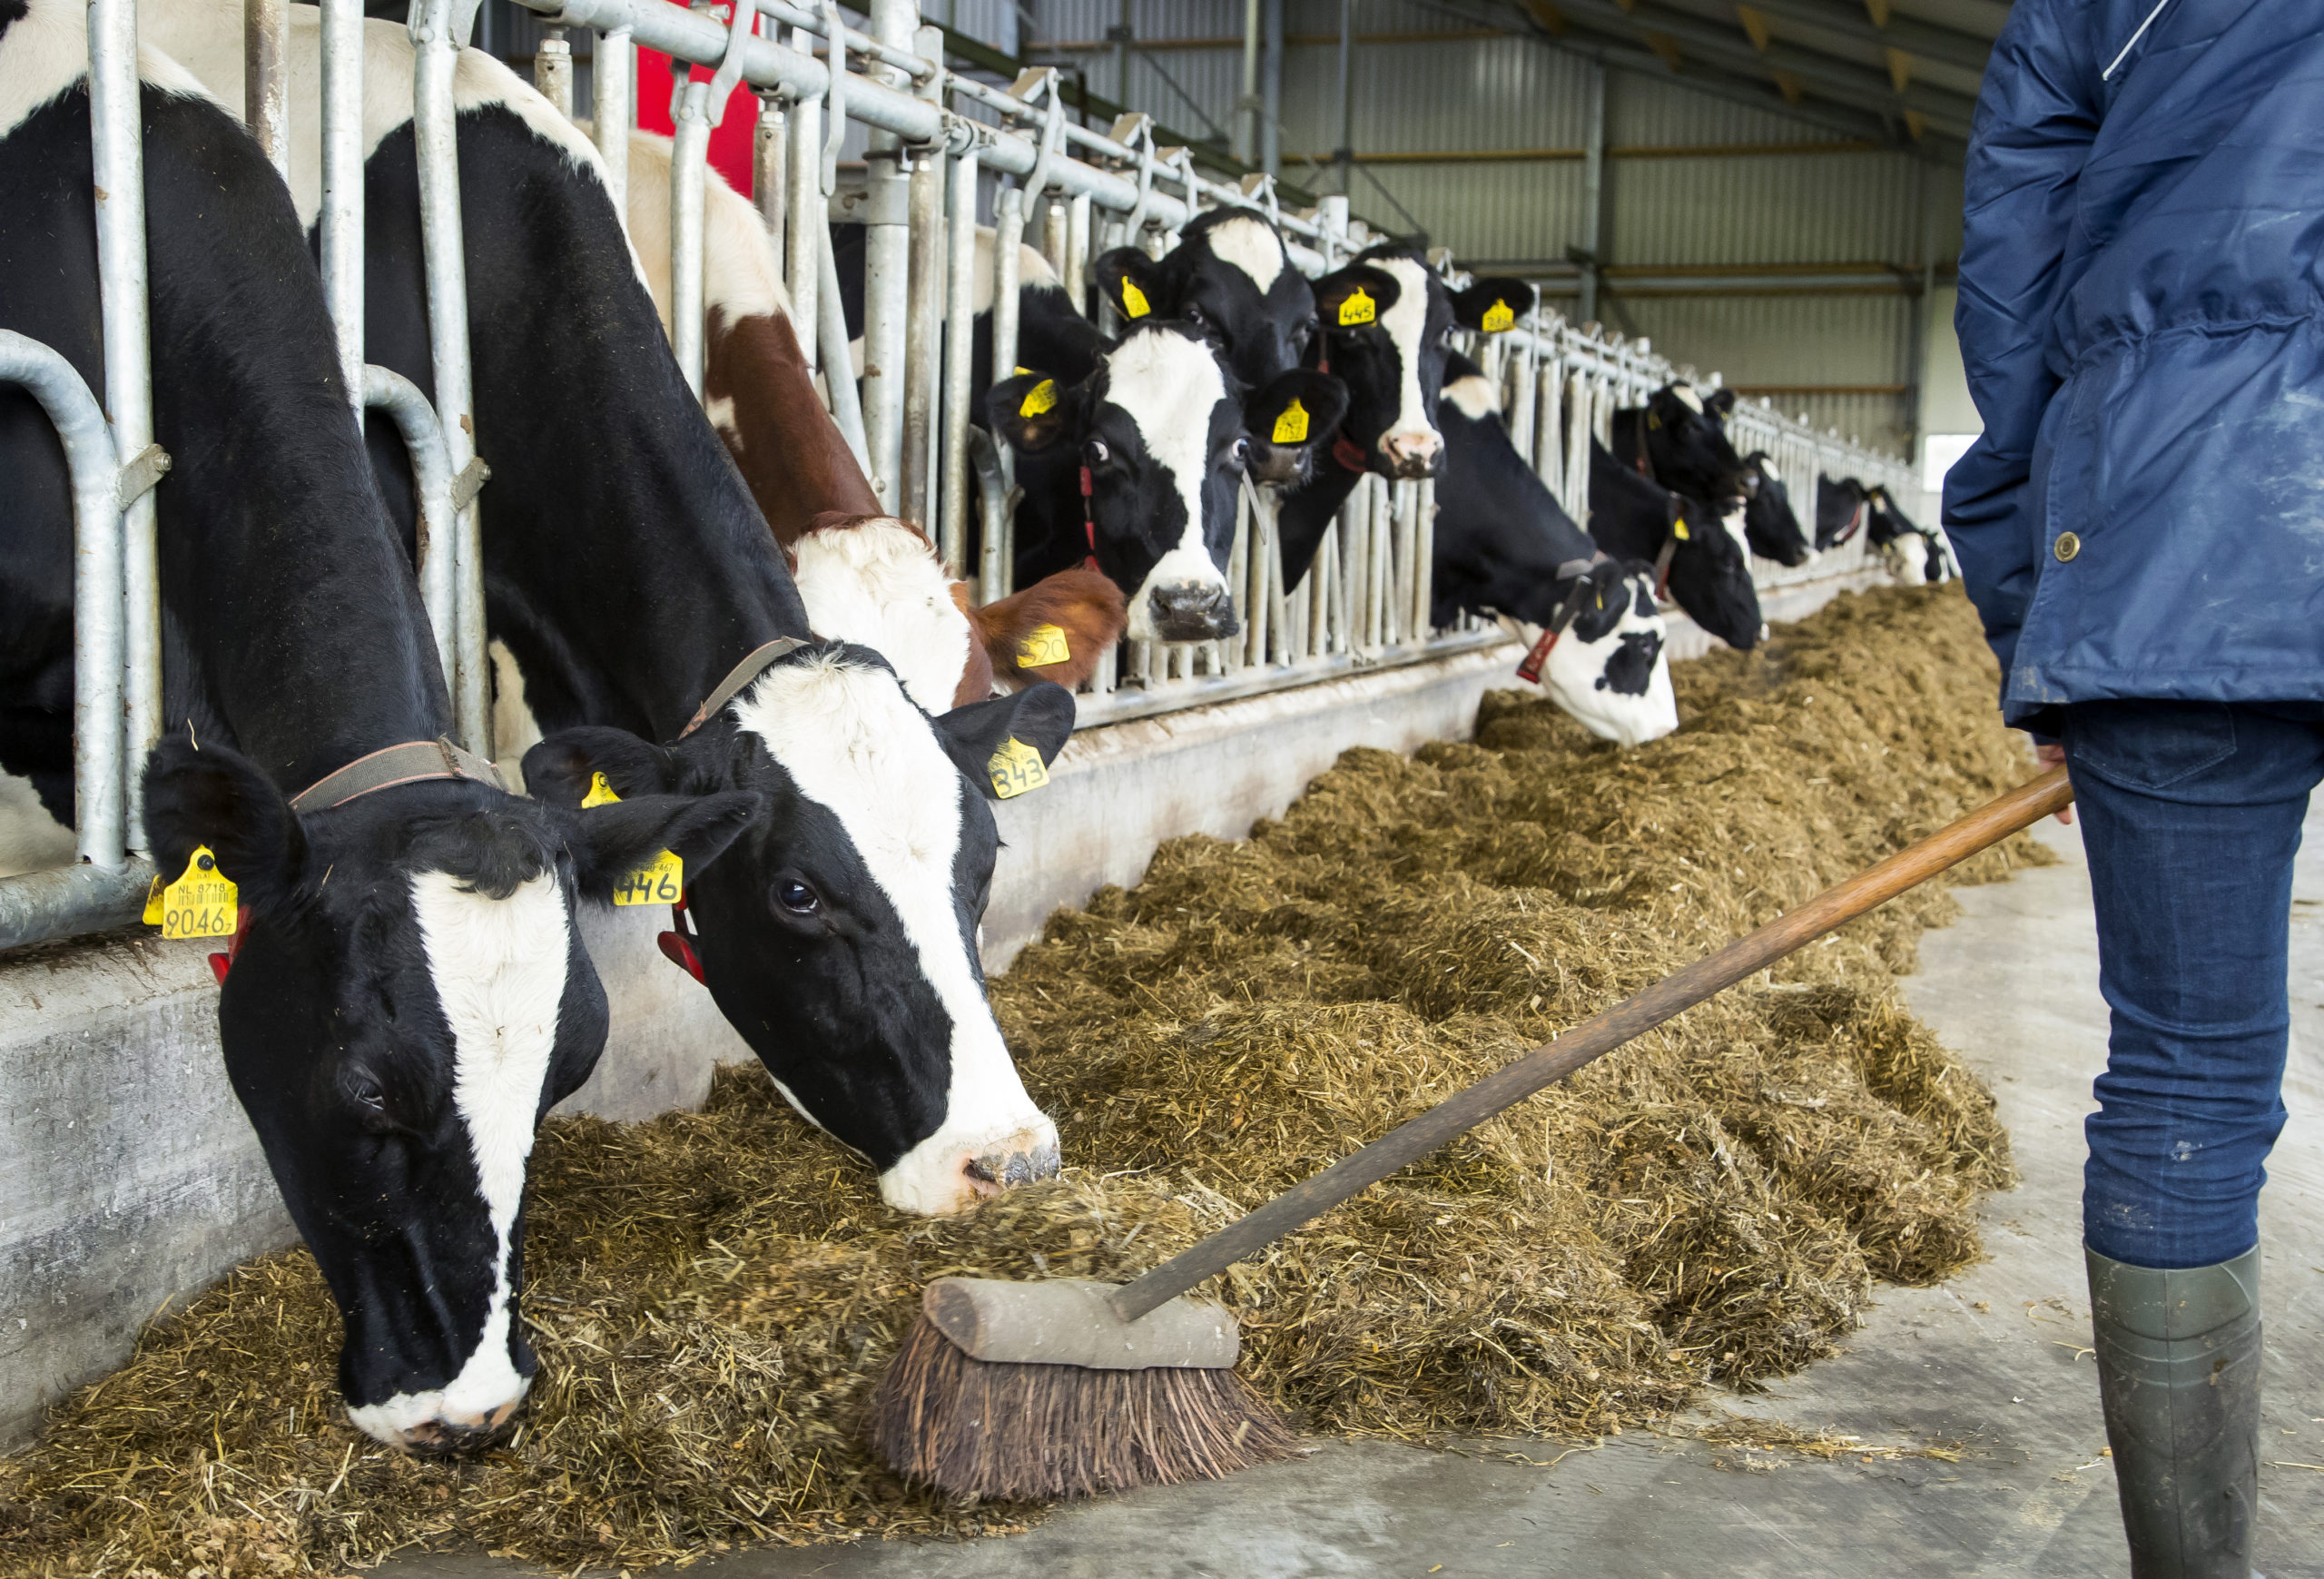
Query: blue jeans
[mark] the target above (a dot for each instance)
(2191, 814)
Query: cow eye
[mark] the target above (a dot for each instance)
(1094, 453)
(1195, 315)
(1242, 451)
(796, 897)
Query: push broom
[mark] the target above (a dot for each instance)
(1068, 1387)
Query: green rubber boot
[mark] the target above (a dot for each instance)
(2179, 1373)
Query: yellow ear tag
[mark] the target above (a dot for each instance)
(1015, 768)
(201, 904)
(1043, 645)
(1134, 303)
(1041, 398)
(1679, 527)
(661, 880)
(1499, 317)
(1291, 428)
(1357, 307)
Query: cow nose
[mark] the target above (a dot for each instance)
(449, 1435)
(1194, 611)
(1412, 451)
(1007, 1167)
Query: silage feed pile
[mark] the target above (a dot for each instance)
(714, 1295)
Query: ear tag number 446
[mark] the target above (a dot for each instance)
(201, 904)
(1015, 768)
(661, 880)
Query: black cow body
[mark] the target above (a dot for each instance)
(627, 573)
(1840, 511)
(1505, 549)
(1709, 572)
(1678, 439)
(1768, 524)
(1913, 554)
(393, 945)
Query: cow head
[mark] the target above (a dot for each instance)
(838, 934)
(1230, 277)
(1384, 319)
(1609, 669)
(1684, 439)
(407, 997)
(1159, 430)
(1710, 575)
(878, 582)
(1768, 524)
(1901, 544)
(1840, 511)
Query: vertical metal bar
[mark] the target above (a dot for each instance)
(1424, 557)
(887, 273)
(341, 221)
(1053, 224)
(1519, 379)
(117, 613)
(1549, 429)
(1077, 253)
(1008, 252)
(831, 330)
(771, 166)
(423, 436)
(810, 233)
(1344, 155)
(266, 100)
(1593, 185)
(1270, 109)
(438, 29)
(612, 81)
(959, 328)
(689, 155)
(928, 257)
(552, 70)
(1247, 107)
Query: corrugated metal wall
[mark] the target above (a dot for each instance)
(1694, 183)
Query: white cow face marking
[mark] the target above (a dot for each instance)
(878, 584)
(1612, 670)
(1250, 245)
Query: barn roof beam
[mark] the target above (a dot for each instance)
(1942, 45)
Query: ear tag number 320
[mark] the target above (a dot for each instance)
(661, 880)
(201, 904)
(1015, 768)
(1043, 645)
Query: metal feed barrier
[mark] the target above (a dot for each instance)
(943, 148)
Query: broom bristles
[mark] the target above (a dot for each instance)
(996, 1429)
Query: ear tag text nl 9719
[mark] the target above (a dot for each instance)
(1040, 397)
(1291, 427)
(1015, 768)
(661, 880)
(1043, 645)
(1357, 307)
(1498, 317)
(201, 904)
(1134, 302)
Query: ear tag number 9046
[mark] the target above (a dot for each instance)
(1016, 768)
(661, 880)
(201, 904)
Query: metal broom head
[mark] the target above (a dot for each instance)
(1159, 1404)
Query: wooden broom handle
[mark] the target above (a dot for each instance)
(2022, 807)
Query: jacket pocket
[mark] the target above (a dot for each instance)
(2148, 746)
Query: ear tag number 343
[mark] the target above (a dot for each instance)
(201, 904)
(661, 881)
(1016, 768)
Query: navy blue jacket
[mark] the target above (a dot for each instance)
(2143, 329)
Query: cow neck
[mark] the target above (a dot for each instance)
(1529, 670)
(624, 554)
(1306, 513)
(285, 591)
(788, 448)
(1644, 464)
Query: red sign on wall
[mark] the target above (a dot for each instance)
(730, 142)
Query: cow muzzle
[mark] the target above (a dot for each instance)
(944, 1174)
(1412, 452)
(451, 1436)
(1193, 611)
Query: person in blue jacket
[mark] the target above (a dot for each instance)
(2142, 528)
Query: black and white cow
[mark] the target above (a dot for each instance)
(1678, 439)
(1841, 507)
(1136, 466)
(1769, 526)
(1505, 549)
(1384, 318)
(406, 993)
(628, 577)
(1706, 565)
(1230, 276)
(1914, 556)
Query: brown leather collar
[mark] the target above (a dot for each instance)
(394, 765)
(739, 675)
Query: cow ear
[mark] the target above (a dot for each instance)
(1720, 403)
(1029, 410)
(563, 769)
(198, 796)
(608, 841)
(1040, 715)
(1299, 409)
(1354, 297)
(1492, 304)
(1132, 282)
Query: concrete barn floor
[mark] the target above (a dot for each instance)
(1992, 1360)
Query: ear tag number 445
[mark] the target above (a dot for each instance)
(661, 880)
(1357, 307)
(201, 904)
(1015, 768)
